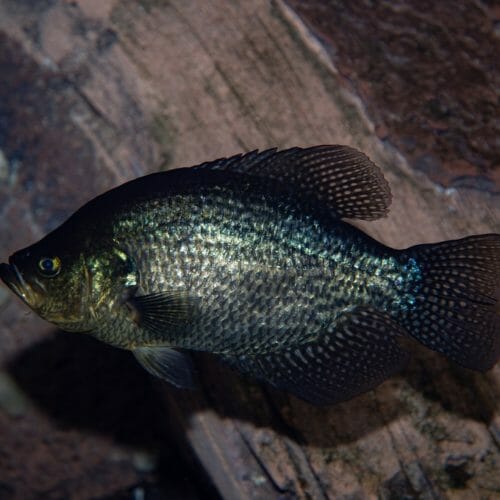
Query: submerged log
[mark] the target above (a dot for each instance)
(96, 93)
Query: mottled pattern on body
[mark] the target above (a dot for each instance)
(266, 274)
(247, 258)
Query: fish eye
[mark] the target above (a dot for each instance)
(49, 266)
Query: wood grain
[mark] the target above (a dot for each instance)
(151, 84)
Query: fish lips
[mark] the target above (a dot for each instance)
(8, 275)
(12, 277)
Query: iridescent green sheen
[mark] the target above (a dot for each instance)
(265, 270)
(248, 259)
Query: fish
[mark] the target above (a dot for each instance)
(250, 258)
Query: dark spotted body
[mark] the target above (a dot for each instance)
(248, 259)
(259, 285)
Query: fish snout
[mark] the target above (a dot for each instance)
(7, 274)
(13, 278)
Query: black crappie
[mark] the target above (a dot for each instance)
(248, 258)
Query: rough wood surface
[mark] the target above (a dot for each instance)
(428, 74)
(102, 91)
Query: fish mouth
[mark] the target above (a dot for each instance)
(13, 278)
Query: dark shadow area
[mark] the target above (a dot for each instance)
(85, 384)
(239, 397)
(458, 390)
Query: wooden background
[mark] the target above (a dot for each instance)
(96, 92)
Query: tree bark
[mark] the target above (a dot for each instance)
(96, 93)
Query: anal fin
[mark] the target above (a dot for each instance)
(359, 354)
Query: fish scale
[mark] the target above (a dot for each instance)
(247, 258)
(245, 269)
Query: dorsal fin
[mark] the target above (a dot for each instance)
(341, 177)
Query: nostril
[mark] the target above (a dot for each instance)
(13, 258)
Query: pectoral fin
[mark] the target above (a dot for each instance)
(174, 366)
(163, 311)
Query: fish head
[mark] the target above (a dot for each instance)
(71, 284)
(52, 280)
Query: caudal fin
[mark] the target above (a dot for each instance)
(457, 300)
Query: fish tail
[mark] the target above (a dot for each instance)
(456, 299)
